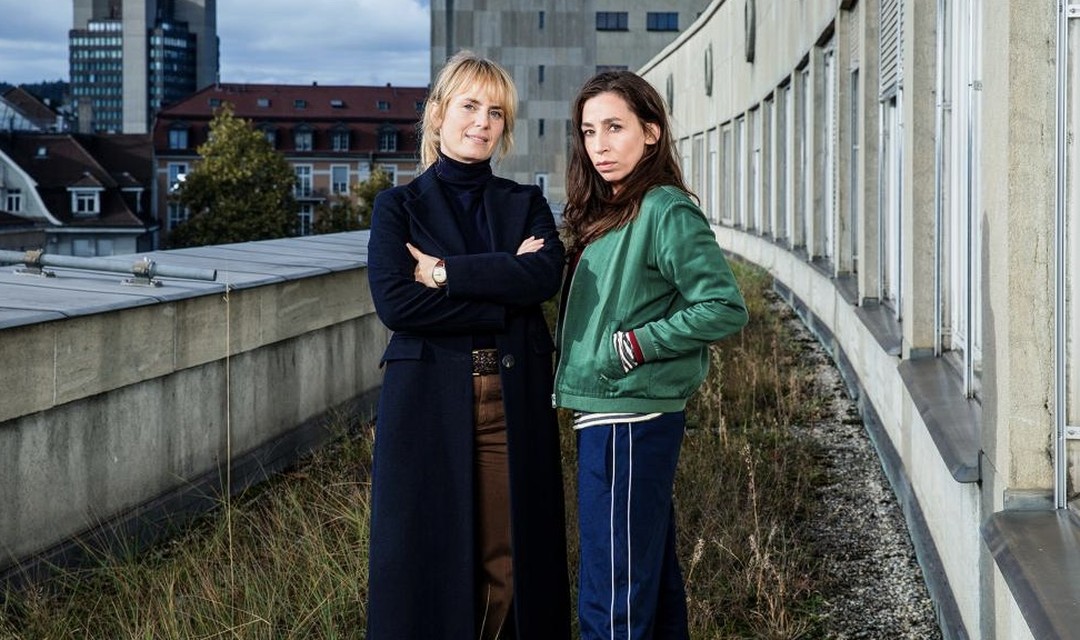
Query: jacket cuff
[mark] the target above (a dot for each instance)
(638, 355)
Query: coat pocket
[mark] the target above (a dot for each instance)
(403, 348)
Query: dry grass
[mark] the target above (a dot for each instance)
(288, 559)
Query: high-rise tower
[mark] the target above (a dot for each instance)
(129, 58)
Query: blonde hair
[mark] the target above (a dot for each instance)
(462, 71)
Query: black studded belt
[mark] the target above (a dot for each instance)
(485, 362)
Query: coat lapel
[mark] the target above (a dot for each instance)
(433, 218)
(506, 215)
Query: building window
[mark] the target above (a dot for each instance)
(541, 20)
(178, 138)
(339, 179)
(383, 105)
(540, 128)
(611, 21)
(271, 136)
(85, 202)
(215, 103)
(388, 140)
(603, 68)
(304, 219)
(300, 103)
(340, 140)
(83, 248)
(303, 181)
(177, 215)
(337, 104)
(13, 201)
(262, 103)
(541, 180)
(540, 74)
(662, 21)
(303, 140)
(391, 172)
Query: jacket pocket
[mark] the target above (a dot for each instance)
(608, 362)
(403, 348)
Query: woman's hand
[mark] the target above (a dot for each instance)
(532, 244)
(424, 265)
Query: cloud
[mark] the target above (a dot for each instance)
(330, 41)
(277, 41)
(33, 41)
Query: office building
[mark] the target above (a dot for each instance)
(333, 136)
(551, 48)
(130, 58)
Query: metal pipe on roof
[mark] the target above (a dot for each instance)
(144, 267)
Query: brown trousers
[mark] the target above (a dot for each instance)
(495, 584)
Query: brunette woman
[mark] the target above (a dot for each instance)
(648, 290)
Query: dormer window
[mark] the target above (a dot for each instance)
(13, 200)
(270, 133)
(337, 104)
(178, 137)
(85, 202)
(339, 139)
(262, 103)
(42, 152)
(215, 103)
(388, 140)
(303, 139)
(300, 103)
(383, 105)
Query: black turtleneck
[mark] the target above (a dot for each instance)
(463, 183)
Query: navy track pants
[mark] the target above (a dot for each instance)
(630, 585)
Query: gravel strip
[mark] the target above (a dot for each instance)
(873, 586)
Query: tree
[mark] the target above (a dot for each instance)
(351, 212)
(240, 190)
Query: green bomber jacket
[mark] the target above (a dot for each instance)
(662, 276)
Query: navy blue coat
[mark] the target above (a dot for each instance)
(422, 566)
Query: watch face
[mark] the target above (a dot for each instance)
(438, 274)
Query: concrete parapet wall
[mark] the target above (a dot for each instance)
(126, 396)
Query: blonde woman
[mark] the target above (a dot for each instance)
(467, 526)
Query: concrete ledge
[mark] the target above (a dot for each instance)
(1038, 553)
(127, 403)
(954, 422)
(165, 515)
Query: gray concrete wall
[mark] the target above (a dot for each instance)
(964, 465)
(116, 397)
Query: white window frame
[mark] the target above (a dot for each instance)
(304, 180)
(829, 130)
(13, 200)
(305, 219)
(303, 140)
(85, 202)
(337, 185)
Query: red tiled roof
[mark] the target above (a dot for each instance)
(29, 106)
(57, 162)
(303, 102)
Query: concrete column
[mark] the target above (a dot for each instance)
(918, 198)
(1016, 192)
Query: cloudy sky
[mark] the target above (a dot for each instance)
(278, 41)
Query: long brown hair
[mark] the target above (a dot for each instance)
(592, 208)
(461, 72)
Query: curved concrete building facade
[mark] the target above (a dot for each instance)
(903, 169)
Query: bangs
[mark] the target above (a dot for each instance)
(494, 81)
